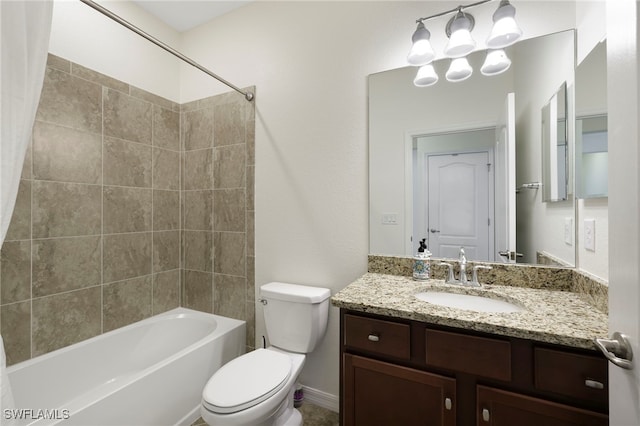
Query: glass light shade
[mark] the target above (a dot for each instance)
(426, 76)
(505, 29)
(459, 70)
(421, 52)
(495, 63)
(460, 42)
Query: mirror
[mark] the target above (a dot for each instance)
(591, 125)
(555, 148)
(401, 115)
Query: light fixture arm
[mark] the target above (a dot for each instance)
(460, 8)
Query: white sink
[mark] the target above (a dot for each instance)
(468, 302)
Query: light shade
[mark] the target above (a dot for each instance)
(495, 63)
(459, 31)
(459, 70)
(426, 76)
(505, 29)
(421, 52)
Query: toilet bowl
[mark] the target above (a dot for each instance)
(257, 388)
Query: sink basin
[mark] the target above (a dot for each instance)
(468, 302)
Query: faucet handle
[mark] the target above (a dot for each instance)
(450, 278)
(474, 277)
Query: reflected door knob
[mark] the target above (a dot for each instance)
(433, 231)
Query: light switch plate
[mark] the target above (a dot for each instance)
(590, 234)
(389, 218)
(568, 230)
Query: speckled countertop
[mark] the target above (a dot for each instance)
(558, 317)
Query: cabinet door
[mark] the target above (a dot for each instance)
(379, 393)
(500, 408)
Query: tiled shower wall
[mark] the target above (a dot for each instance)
(109, 227)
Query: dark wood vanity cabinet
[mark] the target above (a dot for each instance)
(402, 372)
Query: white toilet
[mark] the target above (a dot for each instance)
(257, 388)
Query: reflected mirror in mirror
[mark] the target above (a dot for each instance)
(405, 119)
(592, 155)
(555, 148)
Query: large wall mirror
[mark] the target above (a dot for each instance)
(437, 169)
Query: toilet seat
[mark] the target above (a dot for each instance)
(246, 381)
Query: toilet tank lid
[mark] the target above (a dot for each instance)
(294, 292)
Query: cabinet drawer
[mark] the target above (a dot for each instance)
(573, 375)
(481, 356)
(378, 336)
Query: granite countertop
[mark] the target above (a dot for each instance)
(558, 317)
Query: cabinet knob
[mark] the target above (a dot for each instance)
(485, 415)
(447, 403)
(594, 384)
(374, 337)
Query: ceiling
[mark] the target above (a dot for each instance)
(183, 15)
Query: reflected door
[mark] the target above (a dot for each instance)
(458, 205)
(505, 176)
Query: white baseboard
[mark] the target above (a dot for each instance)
(321, 399)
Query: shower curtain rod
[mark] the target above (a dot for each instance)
(247, 95)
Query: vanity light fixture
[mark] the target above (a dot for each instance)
(495, 63)
(505, 29)
(458, 29)
(505, 32)
(421, 51)
(426, 76)
(459, 70)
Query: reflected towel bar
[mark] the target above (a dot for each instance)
(106, 12)
(530, 185)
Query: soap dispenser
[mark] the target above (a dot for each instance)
(421, 266)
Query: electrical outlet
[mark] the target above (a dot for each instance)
(568, 230)
(590, 234)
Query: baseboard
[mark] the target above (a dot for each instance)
(321, 399)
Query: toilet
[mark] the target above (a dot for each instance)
(257, 388)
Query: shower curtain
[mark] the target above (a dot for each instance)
(24, 28)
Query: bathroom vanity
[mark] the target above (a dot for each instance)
(408, 362)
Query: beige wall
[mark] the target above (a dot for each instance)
(98, 238)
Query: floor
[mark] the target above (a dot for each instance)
(312, 415)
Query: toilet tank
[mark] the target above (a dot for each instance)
(295, 315)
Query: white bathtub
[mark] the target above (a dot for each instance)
(148, 373)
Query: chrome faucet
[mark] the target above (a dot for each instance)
(462, 261)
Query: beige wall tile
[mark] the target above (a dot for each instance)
(166, 169)
(198, 169)
(251, 278)
(126, 209)
(198, 210)
(64, 264)
(229, 124)
(27, 169)
(250, 311)
(64, 319)
(198, 291)
(127, 163)
(229, 166)
(166, 210)
(66, 209)
(70, 101)
(20, 226)
(126, 117)
(126, 302)
(66, 155)
(229, 210)
(166, 291)
(251, 234)
(229, 296)
(99, 78)
(166, 251)
(166, 128)
(229, 253)
(251, 142)
(16, 331)
(15, 264)
(198, 251)
(197, 129)
(58, 63)
(126, 256)
(250, 187)
(153, 98)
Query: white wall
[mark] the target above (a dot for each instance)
(85, 36)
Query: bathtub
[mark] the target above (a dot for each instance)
(148, 373)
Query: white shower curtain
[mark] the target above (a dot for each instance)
(24, 31)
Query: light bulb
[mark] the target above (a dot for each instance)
(460, 42)
(459, 70)
(421, 52)
(495, 63)
(505, 29)
(426, 76)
